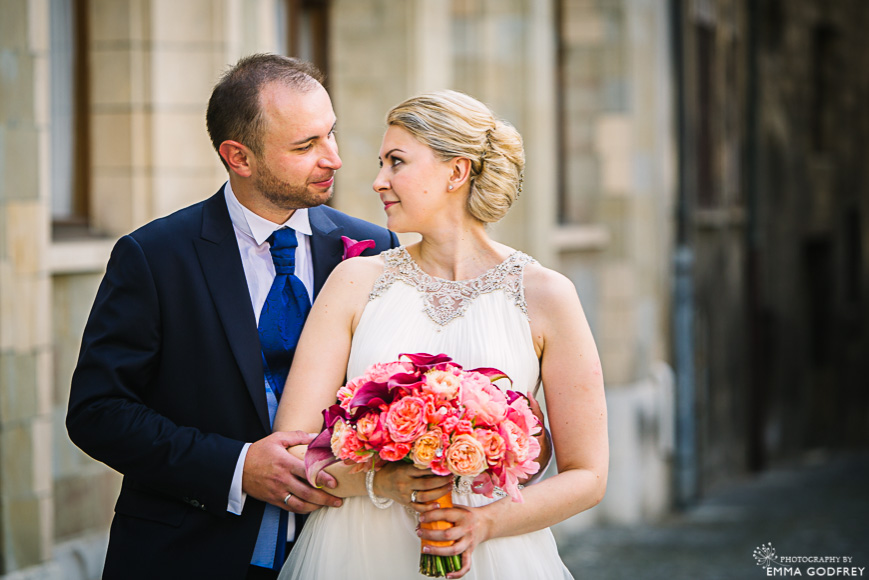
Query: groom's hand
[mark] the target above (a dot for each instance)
(271, 472)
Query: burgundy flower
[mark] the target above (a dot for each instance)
(352, 248)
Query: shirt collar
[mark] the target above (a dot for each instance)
(258, 227)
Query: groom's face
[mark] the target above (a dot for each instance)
(299, 158)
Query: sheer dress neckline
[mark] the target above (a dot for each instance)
(447, 300)
(416, 266)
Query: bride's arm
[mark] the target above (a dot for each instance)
(321, 358)
(318, 372)
(573, 386)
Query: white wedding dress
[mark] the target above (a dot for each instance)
(479, 323)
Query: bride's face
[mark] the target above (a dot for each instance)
(412, 182)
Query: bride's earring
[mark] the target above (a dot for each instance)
(450, 187)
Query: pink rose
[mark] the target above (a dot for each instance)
(517, 441)
(394, 451)
(405, 419)
(370, 429)
(513, 474)
(442, 384)
(520, 413)
(484, 401)
(344, 441)
(345, 393)
(493, 445)
(382, 372)
(438, 465)
(454, 425)
(465, 456)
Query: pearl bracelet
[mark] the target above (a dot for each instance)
(379, 502)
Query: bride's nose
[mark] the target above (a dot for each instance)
(380, 182)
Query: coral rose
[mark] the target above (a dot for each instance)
(465, 456)
(394, 451)
(426, 448)
(435, 412)
(405, 419)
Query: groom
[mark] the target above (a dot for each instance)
(179, 377)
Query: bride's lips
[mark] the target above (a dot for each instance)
(388, 204)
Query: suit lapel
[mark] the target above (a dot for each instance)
(221, 264)
(327, 248)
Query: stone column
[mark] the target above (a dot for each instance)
(26, 521)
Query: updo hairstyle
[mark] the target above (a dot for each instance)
(454, 125)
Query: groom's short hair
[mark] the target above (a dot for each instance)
(234, 111)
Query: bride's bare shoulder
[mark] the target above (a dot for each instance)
(546, 289)
(357, 273)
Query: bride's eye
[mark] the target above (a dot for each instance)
(395, 161)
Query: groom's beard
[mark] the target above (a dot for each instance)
(285, 195)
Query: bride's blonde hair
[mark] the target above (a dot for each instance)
(454, 124)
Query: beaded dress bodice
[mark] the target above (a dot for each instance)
(482, 322)
(446, 300)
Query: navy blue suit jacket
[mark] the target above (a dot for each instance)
(169, 386)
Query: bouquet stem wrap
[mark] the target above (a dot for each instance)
(438, 566)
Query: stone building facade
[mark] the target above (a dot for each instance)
(772, 208)
(102, 129)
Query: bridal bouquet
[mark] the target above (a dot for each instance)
(427, 410)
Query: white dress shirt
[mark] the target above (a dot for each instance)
(251, 232)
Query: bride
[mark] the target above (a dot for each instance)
(449, 167)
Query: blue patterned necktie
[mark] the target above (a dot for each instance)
(280, 324)
(284, 312)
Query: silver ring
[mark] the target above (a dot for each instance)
(287, 499)
(413, 496)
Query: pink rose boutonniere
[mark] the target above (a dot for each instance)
(352, 248)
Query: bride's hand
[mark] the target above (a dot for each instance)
(470, 527)
(399, 480)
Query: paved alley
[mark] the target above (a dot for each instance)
(792, 515)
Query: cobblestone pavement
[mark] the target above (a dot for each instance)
(816, 511)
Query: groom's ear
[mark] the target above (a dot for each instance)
(237, 157)
(460, 171)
